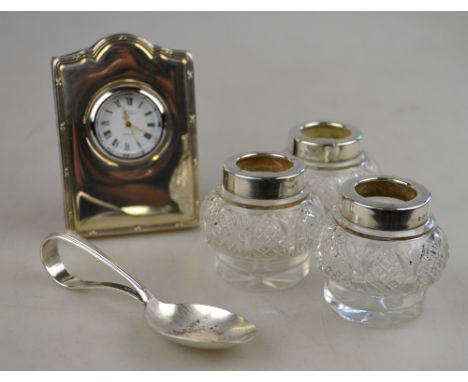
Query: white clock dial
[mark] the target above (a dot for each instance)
(128, 125)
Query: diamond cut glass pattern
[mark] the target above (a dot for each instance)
(260, 243)
(326, 183)
(262, 234)
(379, 276)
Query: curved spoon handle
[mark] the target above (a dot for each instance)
(56, 268)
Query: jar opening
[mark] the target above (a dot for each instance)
(386, 190)
(264, 163)
(326, 130)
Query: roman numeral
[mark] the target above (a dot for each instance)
(108, 111)
(148, 113)
(150, 124)
(147, 136)
(141, 103)
(126, 146)
(107, 134)
(105, 123)
(117, 103)
(115, 142)
(129, 101)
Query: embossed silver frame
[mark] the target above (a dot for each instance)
(108, 197)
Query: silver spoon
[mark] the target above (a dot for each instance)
(194, 325)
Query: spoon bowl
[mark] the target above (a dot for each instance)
(193, 325)
(196, 325)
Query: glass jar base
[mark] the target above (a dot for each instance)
(263, 281)
(378, 311)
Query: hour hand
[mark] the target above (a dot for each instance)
(127, 119)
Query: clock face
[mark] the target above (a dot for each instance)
(128, 124)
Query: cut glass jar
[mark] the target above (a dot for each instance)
(333, 154)
(261, 221)
(380, 250)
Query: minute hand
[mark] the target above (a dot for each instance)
(134, 137)
(137, 128)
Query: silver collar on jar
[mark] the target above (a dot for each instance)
(327, 145)
(261, 179)
(384, 207)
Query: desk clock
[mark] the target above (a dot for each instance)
(127, 128)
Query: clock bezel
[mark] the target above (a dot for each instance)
(94, 106)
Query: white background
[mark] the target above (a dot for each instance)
(400, 77)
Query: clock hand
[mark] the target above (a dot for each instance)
(134, 137)
(138, 128)
(127, 119)
(129, 124)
